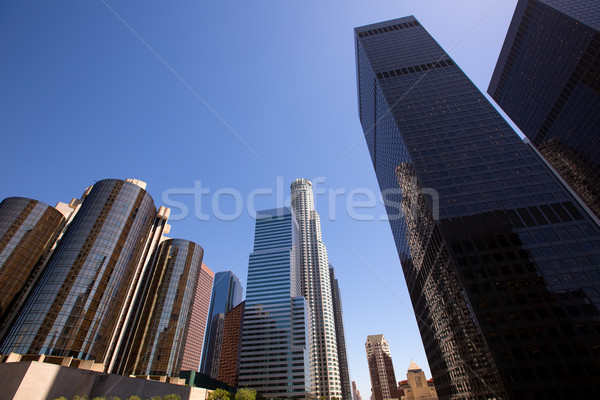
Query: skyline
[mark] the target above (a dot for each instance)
(53, 95)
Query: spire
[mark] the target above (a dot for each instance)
(413, 367)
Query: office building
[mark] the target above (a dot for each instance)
(28, 230)
(340, 339)
(355, 392)
(381, 369)
(192, 352)
(316, 286)
(226, 294)
(547, 81)
(500, 260)
(416, 386)
(276, 343)
(158, 343)
(229, 361)
(78, 305)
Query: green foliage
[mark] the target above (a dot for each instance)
(172, 397)
(61, 398)
(245, 394)
(78, 397)
(156, 398)
(219, 394)
(134, 397)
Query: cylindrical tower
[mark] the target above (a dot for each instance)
(74, 307)
(157, 348)
(28, 230)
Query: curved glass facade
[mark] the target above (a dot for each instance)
(158, 345)
(28, 230)
(73, 309)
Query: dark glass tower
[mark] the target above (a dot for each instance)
(76, 305)
(276, 338)
(548, 82)
(338, 316)
(226, 294)
(158, 344)
(28, 230)
(502, 264)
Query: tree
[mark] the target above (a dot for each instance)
(219, 394)
(172, 397)
(245, 394)
(134, 397)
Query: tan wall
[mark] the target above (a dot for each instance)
(30, 380)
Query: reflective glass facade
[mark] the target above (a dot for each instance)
(157, 347)
(73, 308)
(338, 316)
(28, 230)
(548, 82)
(229, 362)
(226, 294)
(274, 358)
(501, 263)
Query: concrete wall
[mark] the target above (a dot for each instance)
(32, 380)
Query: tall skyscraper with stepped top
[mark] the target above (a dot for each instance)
(276, 340)
(316, 287)
(500, 259)
(381, 369)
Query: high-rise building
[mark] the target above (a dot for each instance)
(28, 230)
(355, 392)
(276, 338)
(340, 339)
(78, 305)
(229, 362)
(158, 343)
(226, 294)
(192, 353)
(316, 286)
(501, 261)
(547, 81)
(381, 369)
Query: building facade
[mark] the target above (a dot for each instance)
(276, 343)
(158, 344)
(416, 386)
(500, 260)
(338, 315)
(28, 231)
(226, 294)
(355, 392)
(381, 369)
(192, 352)
(229, 363)
(75, 308)
(316, 286)
(546, 80)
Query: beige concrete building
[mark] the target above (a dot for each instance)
(416, 386)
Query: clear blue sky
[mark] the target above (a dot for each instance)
(83, 99)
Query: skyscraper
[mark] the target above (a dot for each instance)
(547, 81)
(77, 306)
(355, 392)
(28, 230)
(226, 294)
(381, 369)
(274, 358)
(338, 316)
(192, 352)
(161, 331)
(316, 286)
(500, 260)
(232, 345)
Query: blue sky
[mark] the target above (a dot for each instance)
(237, 95)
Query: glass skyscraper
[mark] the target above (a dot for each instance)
(77, 305)
(158, 344)
(338, 316)
(548, 82)
(226, 294)
(501, 262)
(276, 341)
